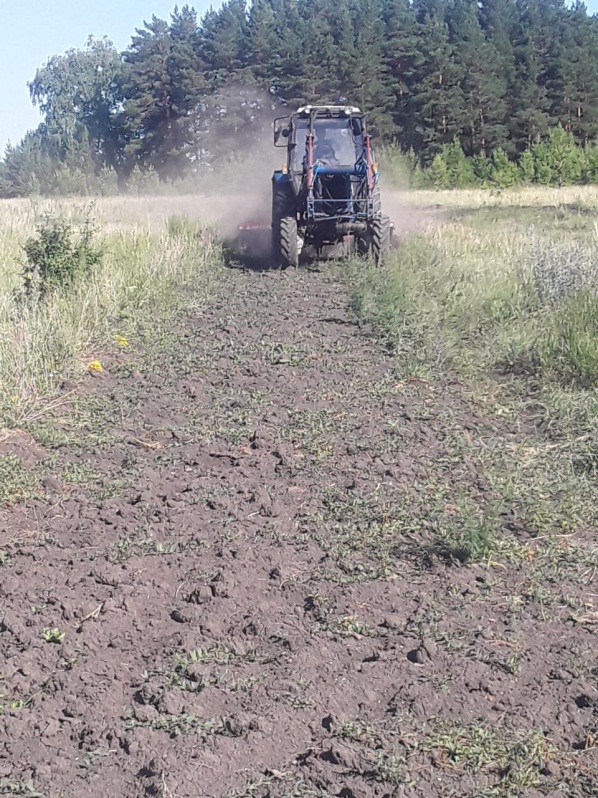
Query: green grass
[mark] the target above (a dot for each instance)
(17, 482)
(494, 762)
(476, 299)
(512, 312)
(512, 762)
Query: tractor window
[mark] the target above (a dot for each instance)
(334, 143)
(298, 154)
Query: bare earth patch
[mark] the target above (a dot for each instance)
(233, 583)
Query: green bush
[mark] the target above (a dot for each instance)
(527, 167)
(558, 160)
(439, 172)
(59, 255)
(503, 172)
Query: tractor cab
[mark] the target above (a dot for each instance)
(322, 141)
(335, 143)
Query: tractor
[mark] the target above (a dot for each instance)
(327, 192)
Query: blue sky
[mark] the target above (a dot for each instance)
(34, 30)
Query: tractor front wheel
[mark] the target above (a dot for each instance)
(288, 242)
(380, 239)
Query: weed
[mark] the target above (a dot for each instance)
(297, 702)
(174, 725)
(351, 626)
(389, 767)
(125, 548)
(23, 788)
(58, 257)
(80, 474)
(53, 635)
(516, 760)
(243, 685)
(471, 535)
(259, 787)
(16, 481)
(359, 731)
(218, 654)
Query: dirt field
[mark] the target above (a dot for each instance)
(228, 584)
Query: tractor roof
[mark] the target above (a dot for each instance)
(328, 110)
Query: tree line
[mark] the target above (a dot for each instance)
(490, 77)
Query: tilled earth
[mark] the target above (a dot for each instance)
(227, 581)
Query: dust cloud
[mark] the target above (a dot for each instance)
(237, 189)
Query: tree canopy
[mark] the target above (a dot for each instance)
(495, 76)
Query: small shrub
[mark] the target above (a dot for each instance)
(459, 166)
(59, 256)
(527, 167)
(439, 172)
(558, 160)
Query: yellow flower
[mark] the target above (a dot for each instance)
(120, 340)
(95, 365)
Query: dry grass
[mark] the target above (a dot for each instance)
(147, 260)
(520, 197)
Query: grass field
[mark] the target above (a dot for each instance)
(152, 253)
(307, 534)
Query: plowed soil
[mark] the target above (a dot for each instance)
(226, 584)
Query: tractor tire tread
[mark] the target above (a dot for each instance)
(289, 250)
(380, 239)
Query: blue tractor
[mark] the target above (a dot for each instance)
(327, 193)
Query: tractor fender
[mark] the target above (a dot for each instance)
(281, 178)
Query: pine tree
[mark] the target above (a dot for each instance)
(437, 101)
(483, 109)
(163, 89)
(224, 43)
(573, 73)
(528, 111)
(403, 60)
(442, 78)
(28, 168)
(189, 87)
(264, 43)
(372, 91)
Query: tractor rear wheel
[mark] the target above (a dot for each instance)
(376, 200)
(288, 242)
(380, 239)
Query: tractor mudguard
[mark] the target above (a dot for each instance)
(281, 178)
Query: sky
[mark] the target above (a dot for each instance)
(31, 31)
